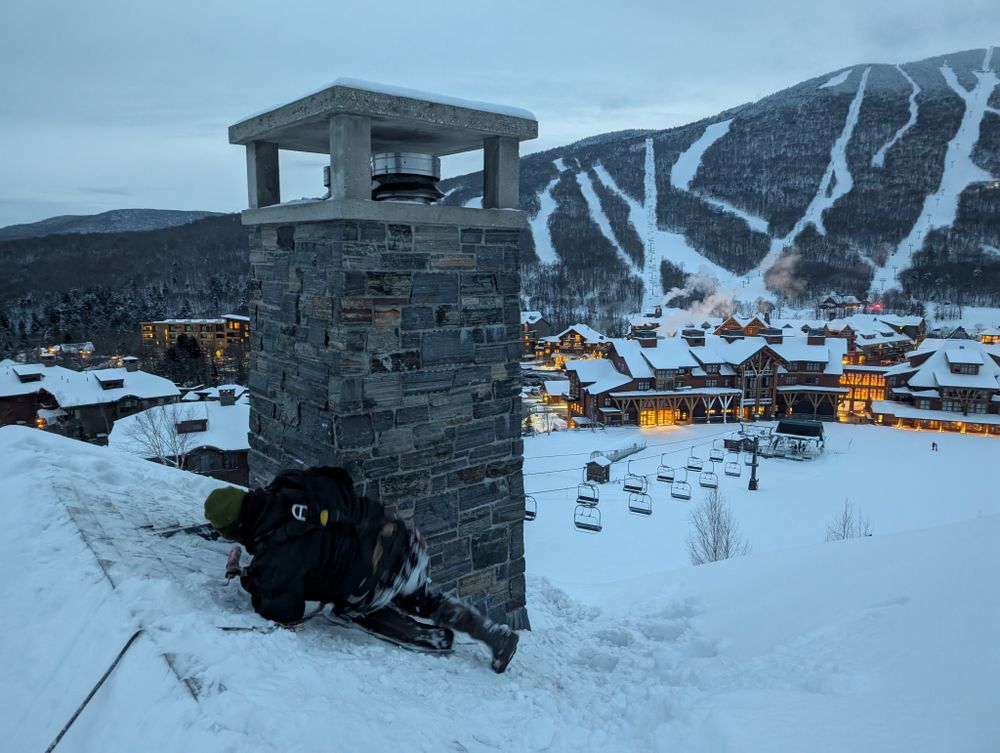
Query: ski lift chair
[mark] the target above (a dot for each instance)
(717, 454)
(709, 478)
(530, 507)
(680, 488)
(634, 483)
(694, 463)
(587, 518)
(587, 494)
(664, 472)
(640, 504)
(732, 467)
(747, 458)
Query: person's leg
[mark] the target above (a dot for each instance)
(449, 611)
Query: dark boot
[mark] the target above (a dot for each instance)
(500, 639)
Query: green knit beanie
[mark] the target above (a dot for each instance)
(222, 508)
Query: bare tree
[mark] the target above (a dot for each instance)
(714, 533)
(848, 524)
(156, 433)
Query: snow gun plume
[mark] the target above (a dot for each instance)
(782, 277)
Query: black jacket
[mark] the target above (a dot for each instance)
(335, 545)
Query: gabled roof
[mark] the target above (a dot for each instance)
(531, 317)
(73, 389)
(670, 353)
(227, 426)
(597, 374)
(588, 334)
(632, 353)
(934, 369)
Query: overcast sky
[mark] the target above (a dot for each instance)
(121, 103)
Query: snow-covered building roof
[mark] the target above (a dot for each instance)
(18, 379)
(212, 393)
(73, 389)
(930, 365)
(671, 353)
(597, 374)
(555, 386)
(531, 317)
(632, 353)
(226, 426)
(589, 334)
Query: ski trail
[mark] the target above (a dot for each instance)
(597, 214)
(544, 249)
(837, 179)
(476, 202)
(825, 196)
(988, 60)
(836, 80)
(879, 159)
(686, 167)
(687, 164)
(654, 283)
(941, 207)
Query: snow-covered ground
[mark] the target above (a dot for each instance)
(885, 643)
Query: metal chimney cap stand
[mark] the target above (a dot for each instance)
(351, 120)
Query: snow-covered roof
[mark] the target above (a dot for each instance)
(936, 356)
(72, 389)
(597, 374)
(600, 460)
(588, 334)
(961, 355)
(670, 353)
(212, 393)
(227, 426)
(236, 317)
(12, 386)
(632, 353)
(530, 317)
(555, 386)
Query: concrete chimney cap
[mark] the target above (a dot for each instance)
(401, 120)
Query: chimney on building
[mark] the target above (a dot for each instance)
(387, 333)
(131, 363)
(47, 359)
(227, 396)
(693, 336)
(645, 337)
(816, 337)
(772, 335)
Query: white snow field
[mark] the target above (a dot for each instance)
(884, 643)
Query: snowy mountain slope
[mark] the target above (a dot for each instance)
(885, 643)
(836, 177)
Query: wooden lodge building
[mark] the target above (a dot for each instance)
(698, 377)
(578, 341)
(79, 404)
(534, 327)
(951, 385)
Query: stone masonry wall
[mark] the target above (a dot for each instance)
(392, 350)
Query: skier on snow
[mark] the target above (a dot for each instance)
(312, 538)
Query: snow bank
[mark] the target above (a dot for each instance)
(885, 643)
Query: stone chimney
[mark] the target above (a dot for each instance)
(131, 363)
(227, 396)
(385, 327)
